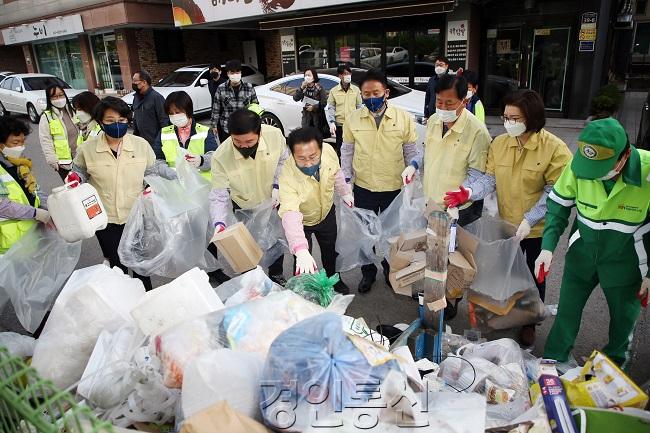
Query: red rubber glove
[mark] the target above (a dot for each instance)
(73, 177)
(457, 198)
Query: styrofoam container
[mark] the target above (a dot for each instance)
(77, 212)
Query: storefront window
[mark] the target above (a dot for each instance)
(345, 52)
(107, 63)
(549, 64)
(312, 53)
(641, 51)
(426, 49)
(502, 68)
(370, 50)
(63, 59)
(397, 57)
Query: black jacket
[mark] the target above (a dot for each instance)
(149, 115)
(430, 96)
(212, 85)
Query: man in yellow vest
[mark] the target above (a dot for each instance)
(379, 141)
(343, 99)
(245, 172)
(185, 136)
(19, 201)
(307, 185)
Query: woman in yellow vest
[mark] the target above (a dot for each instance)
(84, 105)
(522, 167)
(19, 200)
(185, 136)
(57, 131)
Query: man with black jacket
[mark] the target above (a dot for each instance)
(442, 68)
(149, 115)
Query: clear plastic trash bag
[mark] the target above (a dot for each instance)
(166, 233)
(33, 271)
(250, 285)
(501, 265)
(359, 232)
(18, 345)
(404, 215)
(318, 368)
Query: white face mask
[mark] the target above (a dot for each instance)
(347, 79)
(469, 95)
(13, 152)
(309, 79)
(179, 120)
(447, 116)
(83, 116)
(515, 130)
(440, 70)
(235, 78)
(59, 103)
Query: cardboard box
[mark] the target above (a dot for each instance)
(400, 260)
(407, 276)
(500, 308)
(414, 241)
(462, 267)
(238, 247)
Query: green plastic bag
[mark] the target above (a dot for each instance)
(317, 288)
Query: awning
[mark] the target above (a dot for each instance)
(364, 13)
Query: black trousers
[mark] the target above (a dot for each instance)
(471, 214)
(532, 247)
(63, 173)
(276, 268)
(109, 240)
(223, 135)
(325, 232)
(374, 201)
(339, 140)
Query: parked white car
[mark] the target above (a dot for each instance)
(25, 94)
(5, 74)
(281, 111)
(194, 81)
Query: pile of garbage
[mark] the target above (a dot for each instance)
(251, 356)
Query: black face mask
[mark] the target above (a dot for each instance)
(135, 88)
(215, 75)
(247, 152)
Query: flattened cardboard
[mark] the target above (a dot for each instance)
(497, 308)
(238, 247)
(406, 290)
(414, 241)
(400, 260)
(462, 267)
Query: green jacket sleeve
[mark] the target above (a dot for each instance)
(559, 203)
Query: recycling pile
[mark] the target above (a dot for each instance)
(251, 356)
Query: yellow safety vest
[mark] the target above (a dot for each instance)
(171, 145)
(61, 146)
(93, 133)
(12, 230)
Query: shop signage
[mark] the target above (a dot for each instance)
(188, 12)
(288, 46)
(503, 46)
(587, 34)
(457, 34)
(542, 32)
(45, 29)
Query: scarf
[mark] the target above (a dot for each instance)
(24, 169)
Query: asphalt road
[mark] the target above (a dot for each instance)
(381, 305)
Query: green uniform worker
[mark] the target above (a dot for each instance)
(608, 184)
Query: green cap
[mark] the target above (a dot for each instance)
(599, 146)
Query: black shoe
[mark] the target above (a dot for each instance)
(278, 279)
(218, 276)
(386, 273)
(341, 288)
(366, 284)
(451, 309)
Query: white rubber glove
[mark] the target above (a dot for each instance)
(195, 161)
(407, 174)
(305, 263)
(348, 199)
(333, 129)
(523, 230)
(43, 216)
(275, 197)
(544, 260)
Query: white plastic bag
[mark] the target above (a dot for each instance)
(404, 215)
(33, 271)
(166, 233)
(94, 299)
(18, 345)
(223, 374)
(359, 231)
(501, 266)
(246, 287)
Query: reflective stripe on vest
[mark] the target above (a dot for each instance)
(12, 230)
(171, 145)
(61, 146)
(93, 133)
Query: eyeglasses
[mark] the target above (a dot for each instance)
(511, 120)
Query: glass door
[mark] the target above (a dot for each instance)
(107, 62)
(47, 58)
(113, 61)
(503, 66)
(548, 65)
